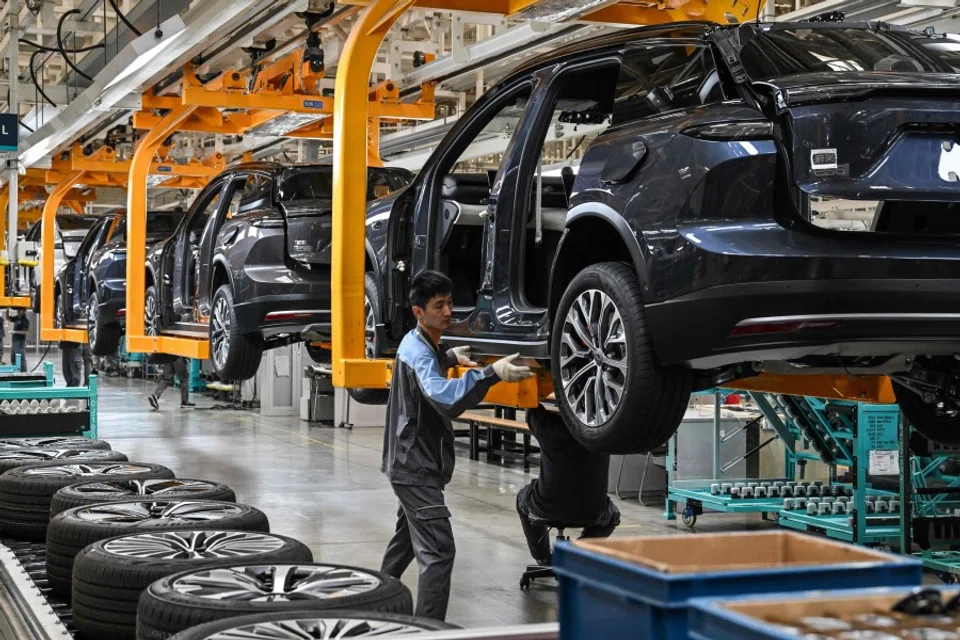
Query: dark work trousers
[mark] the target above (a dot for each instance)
(77, 364)
(424, 533)
(537, 532)
(18, 345)
(178, 366)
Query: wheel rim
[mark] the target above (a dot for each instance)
(92, 320)
(169, 512)
(106, 469)
(220, 333)
(315, 629)
(50, 454)
(150, 315)
(276, 583)
(42, 443)
(145, 487)
(369, 329)
(593, 357)
(193, 545)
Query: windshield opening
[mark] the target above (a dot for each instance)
(317, 184)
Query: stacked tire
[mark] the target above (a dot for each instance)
(26, 492)
(72, 530)
(110, 575)
(143, 555)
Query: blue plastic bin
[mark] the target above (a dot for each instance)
(640, 587)
(710, 619)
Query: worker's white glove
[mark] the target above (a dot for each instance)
(508, 370)
(462, 355)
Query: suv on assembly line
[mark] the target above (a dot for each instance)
(688, 247)
(70, 231)
(95, 279)
(249, 264)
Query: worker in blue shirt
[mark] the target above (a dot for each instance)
(418, 453)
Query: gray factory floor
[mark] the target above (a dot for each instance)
(323, 486)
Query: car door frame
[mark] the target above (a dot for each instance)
(76, 267)
(175, 251)
(412, 238)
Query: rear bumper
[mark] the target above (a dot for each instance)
(293, 314)
(113, 300)
(787, 320)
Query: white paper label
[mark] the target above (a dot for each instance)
(885, 463)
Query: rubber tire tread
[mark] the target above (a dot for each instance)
(372, 397)
(655, 397)
(94, 569)
(68, 498)
(246, 350)
(103, 456)
(67, 535)
(108, 334)
(204, 631)
(162, 611)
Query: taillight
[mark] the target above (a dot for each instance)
(729, 131)
(268, 222)
(783, 327)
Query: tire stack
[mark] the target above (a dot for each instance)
(144, 555)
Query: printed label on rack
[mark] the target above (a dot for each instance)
(885, 463)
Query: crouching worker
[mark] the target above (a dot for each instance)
(418, 453)
(571, 490)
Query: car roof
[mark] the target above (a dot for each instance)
(691, 29)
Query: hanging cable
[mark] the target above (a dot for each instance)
(63, 51)
(57, 50)
(123, 18)
(33, 76)
(26, 127)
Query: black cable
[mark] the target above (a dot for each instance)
(33, 76)
(123, 18)
(57, 50)
(105, 34)
(26, 127)
(63, 52)
(40, 361)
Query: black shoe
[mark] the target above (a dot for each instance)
(186, 405)
(154, 402)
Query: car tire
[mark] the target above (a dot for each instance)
(78, 495)
(926, 419)
(53, 442)
(234, 356)
(372, 317)
(319, 355)
(72, 530)
(653, 398)
(47, 457)
(104, 339)
(151, 323)
(59, 310)
(110, 575)
(25, 492)
(352, 624)
(166, 609)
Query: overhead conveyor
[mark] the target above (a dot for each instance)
(103, 169)
(281, 98)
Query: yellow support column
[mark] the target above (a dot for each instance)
(48, 331)
(143, 157)
(351, 97)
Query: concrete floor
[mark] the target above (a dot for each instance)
(323, 486)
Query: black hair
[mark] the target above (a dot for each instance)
(427, 285)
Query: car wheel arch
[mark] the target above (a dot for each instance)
(594, 233)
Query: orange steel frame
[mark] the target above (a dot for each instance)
(101, 169)
(284, 86)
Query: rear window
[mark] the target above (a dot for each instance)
(318, 185)
(160, 226)
(784, 52)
